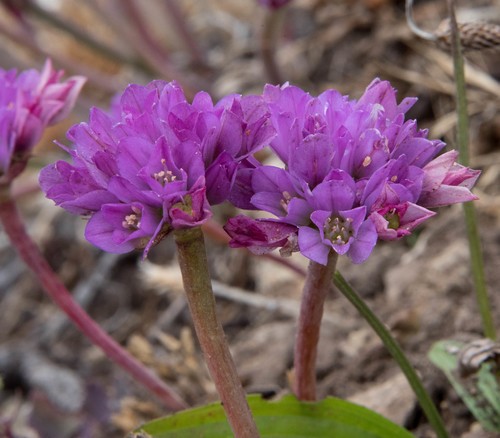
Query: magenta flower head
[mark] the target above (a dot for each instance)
(29, 102)
(355, 171)
(156, 164)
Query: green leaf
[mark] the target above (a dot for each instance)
(480, 392)
(287, 417)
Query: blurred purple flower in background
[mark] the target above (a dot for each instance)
(156, 163)
(355, 171)
(274, 4)
(29, 102)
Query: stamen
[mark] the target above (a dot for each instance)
(366, 161)
(164, 176)
(393, 219)
(317, 122)
(132, 221)
(338, 230)
(285, 201)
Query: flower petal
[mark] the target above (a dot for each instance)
(259, 236)
(312, 246)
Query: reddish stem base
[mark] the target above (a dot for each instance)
(32, 256)
(196, 278)
(318, 283)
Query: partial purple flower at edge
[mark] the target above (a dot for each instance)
(447, 182)
(29, 102)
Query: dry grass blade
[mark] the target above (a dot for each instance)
(473, 75)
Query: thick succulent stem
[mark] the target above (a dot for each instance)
(196, 278)
(318, 283)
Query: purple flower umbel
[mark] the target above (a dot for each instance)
(29, 102)
(156, 164)
(355, 171)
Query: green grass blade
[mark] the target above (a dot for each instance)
(480, 392)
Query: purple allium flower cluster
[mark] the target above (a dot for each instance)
(156, 164)
(355, 171)
(29, 102)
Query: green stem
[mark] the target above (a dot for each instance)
(396, 352)
(477, 266)
(198, 287)
(318, 283)
(31, 255)
(476, 255)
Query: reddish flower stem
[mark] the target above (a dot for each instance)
(271, 29)
(144, 30)
(29, 252)
(198, 287)
(318, 283)
(179, 21)
(154, 53)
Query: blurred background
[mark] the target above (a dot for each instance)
(235, 46)
(55, 384)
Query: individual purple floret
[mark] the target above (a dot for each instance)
(355, 171)
(156, 163)
(29, 102)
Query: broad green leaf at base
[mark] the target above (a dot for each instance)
(287, 417)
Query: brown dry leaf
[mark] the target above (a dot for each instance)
(141, 348)
(133, 413)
